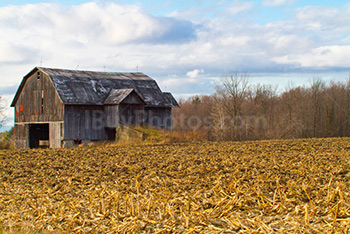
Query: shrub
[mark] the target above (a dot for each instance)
(7, 144)
(7, 140)
(164, 136)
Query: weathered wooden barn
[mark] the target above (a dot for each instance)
(59, 108)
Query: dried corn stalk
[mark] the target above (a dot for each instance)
(268, 186)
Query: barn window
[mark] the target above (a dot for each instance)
(38, 75)
(42, 101)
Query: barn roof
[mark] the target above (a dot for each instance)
(77, 87)
(170, 99)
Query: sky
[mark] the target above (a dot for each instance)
(185, 45)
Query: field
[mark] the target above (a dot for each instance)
(286, 186)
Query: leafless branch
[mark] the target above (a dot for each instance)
(3, 118)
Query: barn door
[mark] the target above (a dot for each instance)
(38, 135)
(55, 135)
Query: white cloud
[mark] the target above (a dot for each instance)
(194, 74)
(277, 2)
(323, 19)
(183, 44)
(232, 40)
(10, 53)
(90, 35)
(240, 6)
(86, 24)
(183, 85)
(325, 56)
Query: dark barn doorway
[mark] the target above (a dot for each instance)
(110, 133)
(38, 135)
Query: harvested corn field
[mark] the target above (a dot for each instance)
(293, 186)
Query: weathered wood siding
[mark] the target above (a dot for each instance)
(55, 135)
(133, 99)
(38, 102)
(158, 117)
(84, 123)
(111, 116)
(131, 110)
(21, 133)
(131, 115)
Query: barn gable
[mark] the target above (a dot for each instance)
(126, 96)
(38, 108)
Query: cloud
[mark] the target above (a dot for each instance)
(323, 19)
(181, 86)
(325, 44)
(88, 36)
(91, 23)
(277, 2)
(175, 31)
(325, 56)
(8, 90)
(176, 48)
(239, 7)
(194, 74)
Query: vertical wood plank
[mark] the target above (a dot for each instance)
(55, 135)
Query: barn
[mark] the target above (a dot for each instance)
(60, 108)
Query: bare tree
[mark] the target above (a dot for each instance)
(235, 88)
(2, 113)
(231, 94)
(219, 124)
(316, 91)
(347, 105)
(263, 105)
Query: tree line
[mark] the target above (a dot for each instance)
(239, 110)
